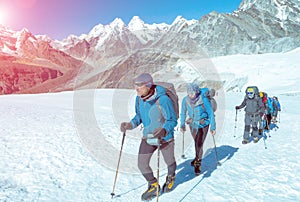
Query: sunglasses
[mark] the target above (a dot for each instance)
(250, 93)
(192, 94)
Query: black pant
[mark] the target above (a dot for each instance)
(145, 153)
(199, 135)
(269, 118)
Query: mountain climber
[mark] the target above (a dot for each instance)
(154, 109)
(277, 108)
(254, 109)
(201, 116)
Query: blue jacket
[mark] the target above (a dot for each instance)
(278, 105)
(154, 116)
(270, 106)
(201, 109)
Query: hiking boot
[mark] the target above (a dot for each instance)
(245, 141)
(169, 183)
(267, 127)
(260, 131)
(151, 191)
(255, 139)
(197, 167)
(193, 161)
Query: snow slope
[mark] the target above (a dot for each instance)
(65, 146)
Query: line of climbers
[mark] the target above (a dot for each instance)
(156, 107)
(260, 112)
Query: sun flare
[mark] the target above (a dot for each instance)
(2, 17)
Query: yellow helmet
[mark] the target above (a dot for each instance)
(250, 90)
(261, 94)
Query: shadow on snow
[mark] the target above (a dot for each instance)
(209, 165)
(185, 171)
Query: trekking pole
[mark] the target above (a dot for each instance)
(218, 163)
(183, 156)
(157, 177)
(265, 141)
(236, 111)
(117, 171)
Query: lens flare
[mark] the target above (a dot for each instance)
(2, 16)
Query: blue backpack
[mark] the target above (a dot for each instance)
(210, 93)
(276, 102)
(270, 105)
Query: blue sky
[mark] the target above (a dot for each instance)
(60, 18)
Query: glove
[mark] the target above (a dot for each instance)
(213, 132)
(182, 129)
(159, 133)
(237, 107)
(125, 126)
(202, 121)
(189, 121)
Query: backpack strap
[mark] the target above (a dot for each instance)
(160, 110)
(202, 96)
(202, 104)
(158, 105)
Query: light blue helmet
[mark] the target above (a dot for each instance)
(193, 92)
(193, 88)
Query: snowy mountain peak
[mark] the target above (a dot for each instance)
(117, 23)
(246, 4)
(136, 24)
(136, 20)
(24, 30)
(24, 34)
(96, 30)
(180, 23)
(179, 19)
